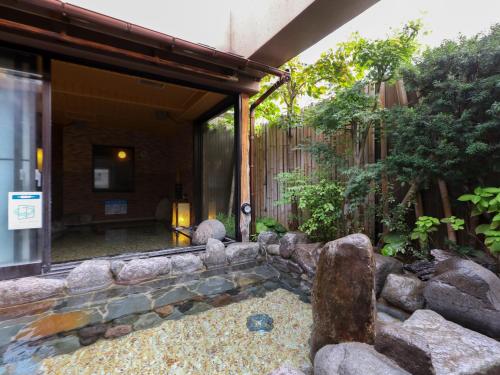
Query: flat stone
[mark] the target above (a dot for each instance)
(221, 300)
(139, 270)
(383, 267)
(147, 321)
(242, 251)
(9, 332)
(288, 242)
(267, 238)
(396, 312)
(186, 263)
(266, 271)
(173, 296)
(28, 309)
(466, 293)
(214, 285)
(54, 323)
(428, 344)
(57, 346)
(89, 276)
(354, 358)
(198, 307)
(423, 269)
(118, 331)
(133, 304)
(307, 256)
(343, 297)
(286, 370)
(260, 323)
(29, 289)
(404, 291)
(441, 255)
(164, 311)
(215, 255)
(208, 229)
(273, 249)
(95, 330)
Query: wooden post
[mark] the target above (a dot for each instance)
(244, 157)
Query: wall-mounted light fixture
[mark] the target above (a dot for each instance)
(122, 154)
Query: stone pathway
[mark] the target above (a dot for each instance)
(212, 342)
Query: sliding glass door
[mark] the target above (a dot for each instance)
(22, 206)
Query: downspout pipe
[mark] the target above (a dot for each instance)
(281, 81)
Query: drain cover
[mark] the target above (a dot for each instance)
(259, 323)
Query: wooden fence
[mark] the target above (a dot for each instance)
(277, 150)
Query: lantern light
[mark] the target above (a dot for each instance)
(122, 154)
(181, 215)
(39, 158)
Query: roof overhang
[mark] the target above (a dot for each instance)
(69, 31)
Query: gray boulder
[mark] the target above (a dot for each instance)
(89, 276)
(186, 263)
(404, 291)
(306, 255)
(29, 289)
(139, 270)
(428, 344)
(466, 293)
(288, 242)
(215, 254)
(383, 267)
(343, 297)
(267, 238)
(354, 358)
(208, 229)
(286, 370)
(273, 249)
(242, 251)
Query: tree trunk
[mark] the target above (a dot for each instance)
(445, 199)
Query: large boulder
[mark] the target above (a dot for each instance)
(89, 276)
(306, 255)
(267, 238)
(29, 289)
(186, 263)
(354, 358)
(428, 344)
(404, 291)
(208, 229)
(288, 242)
(138, 270)
(383, 267)
(466, 293)
(343, 297)
(237, 252)
(215, 255)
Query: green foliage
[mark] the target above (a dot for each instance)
(455, 222)
(424, 226)
(375, 60)
(229, 223)
(487, 201)
(266, 224)
(453, 131)
(319, 201)
(394, 243)
(224, 121)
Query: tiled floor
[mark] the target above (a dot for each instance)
(112, 239)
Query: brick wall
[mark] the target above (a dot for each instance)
(158, 157)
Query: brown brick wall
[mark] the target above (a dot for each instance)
(157, 160)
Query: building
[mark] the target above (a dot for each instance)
(102, 122)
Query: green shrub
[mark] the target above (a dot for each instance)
(268, 224)
(229, 223)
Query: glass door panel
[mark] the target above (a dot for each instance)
(20, 138)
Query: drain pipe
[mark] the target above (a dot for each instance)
(281, 81)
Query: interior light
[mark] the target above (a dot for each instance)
(39, 158)
(122, 155)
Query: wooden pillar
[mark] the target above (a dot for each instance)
(244, 165)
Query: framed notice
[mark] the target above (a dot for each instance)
(25, 210)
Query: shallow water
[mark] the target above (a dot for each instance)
(112, 239)
(216, 341)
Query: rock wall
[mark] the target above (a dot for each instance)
(40, 317)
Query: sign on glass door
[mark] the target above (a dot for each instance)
(25, 210)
